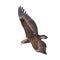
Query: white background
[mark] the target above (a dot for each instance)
(46, 14)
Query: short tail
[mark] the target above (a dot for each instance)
(21, 11)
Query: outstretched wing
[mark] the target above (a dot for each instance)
(28, 24)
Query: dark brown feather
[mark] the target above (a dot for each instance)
(28, 31)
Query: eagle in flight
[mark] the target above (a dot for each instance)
(31, 31)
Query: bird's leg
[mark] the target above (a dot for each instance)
(25, 41)
(43, 37)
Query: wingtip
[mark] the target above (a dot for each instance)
(21, 11)
(45, 53)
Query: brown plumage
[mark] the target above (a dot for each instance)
(31, 32)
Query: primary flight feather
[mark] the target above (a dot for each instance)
(31, 31)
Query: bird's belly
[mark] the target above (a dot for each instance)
(34, 42)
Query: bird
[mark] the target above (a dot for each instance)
(31, 32)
